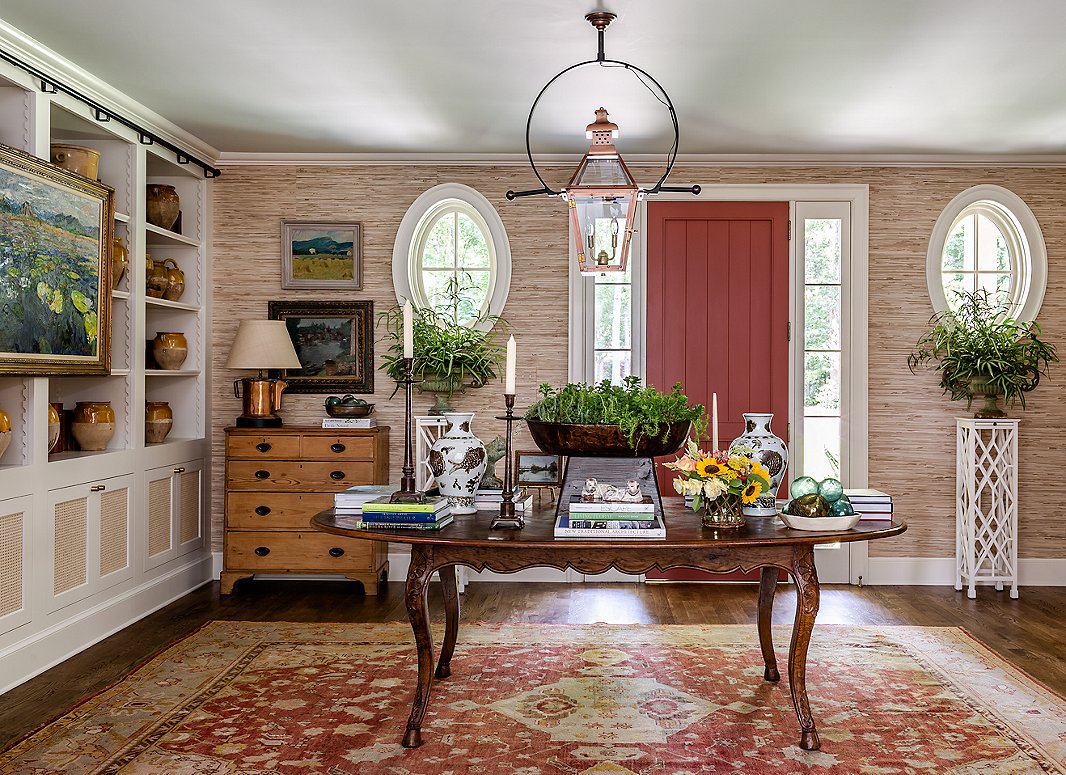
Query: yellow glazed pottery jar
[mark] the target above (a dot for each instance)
(5, 432)
(170, 349)
(53, 426)
(158, 420)
(175, 280)
(161, 205)
(120, 259)
(77, 158)
(93, 425)
(157, 279)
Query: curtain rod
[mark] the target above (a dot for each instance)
(50, 85)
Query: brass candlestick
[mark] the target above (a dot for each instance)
(407, 492)
(507, 518)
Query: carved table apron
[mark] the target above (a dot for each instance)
(762, 543)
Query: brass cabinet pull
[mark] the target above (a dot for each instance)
(179, 470)
(338, 448)
(336, 551)
(262, 510)
(263, 447)
(262, 551)
(97, 488)
(261, 474)
(338, 475)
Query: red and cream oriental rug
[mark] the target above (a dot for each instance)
(242, 698)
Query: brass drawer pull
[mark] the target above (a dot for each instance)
(97, 488)
(261, 474)
(262, 510)
(336, 551)
(179, 470)
(262, 551)
(338, 448)
(263, 447)
(337, 475)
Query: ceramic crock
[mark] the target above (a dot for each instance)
(93, 425)
(457, 460)
(170, 349)
(5, 432)
(175, 280)
(161, 205)
(54, 424)
(77, 158)
(120, 259)
(769, 450)
(158, 420)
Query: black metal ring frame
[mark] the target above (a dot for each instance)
(658, 187)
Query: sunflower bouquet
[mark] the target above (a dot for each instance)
(708, 476)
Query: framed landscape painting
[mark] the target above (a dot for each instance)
(334, 341)
(56, 231)
(321, 255)
(538, 469)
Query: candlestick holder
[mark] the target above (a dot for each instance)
(407, 492)
(507, 518)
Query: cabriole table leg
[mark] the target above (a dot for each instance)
(418, 611)
(451, 622)
(767, 589)
(806, 578)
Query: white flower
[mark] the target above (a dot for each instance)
(712, 488)
(679, 486)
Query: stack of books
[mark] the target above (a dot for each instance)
(351, 501)
(490, 500)
(872, 504)
(609, 519)
(434, 514)
(349, 422)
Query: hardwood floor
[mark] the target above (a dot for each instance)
(1028, 632)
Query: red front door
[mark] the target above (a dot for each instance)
(717, 317)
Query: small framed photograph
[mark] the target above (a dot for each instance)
(538, 469)
(321, 255)
(334, 341)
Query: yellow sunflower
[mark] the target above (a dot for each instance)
(710, 467)
(752, 490)
(729, 474)
(758, 469)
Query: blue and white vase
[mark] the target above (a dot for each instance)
(458, 460)
(769, 450)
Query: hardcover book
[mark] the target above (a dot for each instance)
(382, 504)
(369, 525)
(349, 422)
(579, 505)
(565, 527)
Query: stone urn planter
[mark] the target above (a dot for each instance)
(604, 440)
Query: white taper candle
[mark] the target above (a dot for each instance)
(714, 422)
(509, 374)
(408, 332)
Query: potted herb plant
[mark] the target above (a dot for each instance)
(980, 350)
(613, 420)
(454, 348)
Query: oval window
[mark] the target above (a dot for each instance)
(988, 239)
(452, 254)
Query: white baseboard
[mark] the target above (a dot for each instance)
(940, 571)
(33, 655)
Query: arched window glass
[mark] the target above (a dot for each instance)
(451, 246)
(988, 239)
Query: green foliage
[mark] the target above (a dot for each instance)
(639, 412)
(445, 348)
(978, 341)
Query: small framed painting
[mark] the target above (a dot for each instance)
(537, 469)
(321, 255)
(334, 341)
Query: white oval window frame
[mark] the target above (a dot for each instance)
(1031, 277)
(405, 247)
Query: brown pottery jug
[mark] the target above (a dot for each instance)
(94, 424)
(158, 420)
(170, 349)
(156, 279)
(161, 205)
(175, 280)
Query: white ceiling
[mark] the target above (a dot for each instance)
(974, 77)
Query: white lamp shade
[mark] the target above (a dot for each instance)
(262, 344)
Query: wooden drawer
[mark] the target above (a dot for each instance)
(267, 475)
(263, 446)
(265, 552)
(339, 447)
(274, 510)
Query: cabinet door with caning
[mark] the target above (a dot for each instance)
(15, 516)
(174, 511)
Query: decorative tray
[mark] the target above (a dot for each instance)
(819, 523)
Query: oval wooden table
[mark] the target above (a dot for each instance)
(762, 543)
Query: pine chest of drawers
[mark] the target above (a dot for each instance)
(276, 480)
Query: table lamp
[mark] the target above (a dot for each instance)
(261, 344)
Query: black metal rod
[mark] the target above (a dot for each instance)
(535, 192)
(407, 481)
(51, 86)
(507, 505)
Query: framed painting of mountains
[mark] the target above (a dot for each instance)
(56, 231)
(321, 255)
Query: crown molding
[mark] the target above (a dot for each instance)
(36, 54)
(236, 159)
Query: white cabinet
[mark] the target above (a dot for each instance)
(15, 518)
(174, 514)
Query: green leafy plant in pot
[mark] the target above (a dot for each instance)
(980, 350)
(455, 347)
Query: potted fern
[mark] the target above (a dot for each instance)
(980, 350)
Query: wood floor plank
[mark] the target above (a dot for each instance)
(1027, 631)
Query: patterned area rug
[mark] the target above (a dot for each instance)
(242, 698)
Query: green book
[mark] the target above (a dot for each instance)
(382, 504)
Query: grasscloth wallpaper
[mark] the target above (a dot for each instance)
(912, 427)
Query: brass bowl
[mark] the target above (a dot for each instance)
(604, 440)
(349, 410)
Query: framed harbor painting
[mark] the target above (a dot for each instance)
(56, 232)
(334, 341)
(321, 255)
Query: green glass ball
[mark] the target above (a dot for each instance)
(831, 489)
(803, 485)
(810, 505)
(842, 508)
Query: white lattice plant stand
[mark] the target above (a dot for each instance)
(986, 504)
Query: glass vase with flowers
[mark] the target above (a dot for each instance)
(719, 483)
